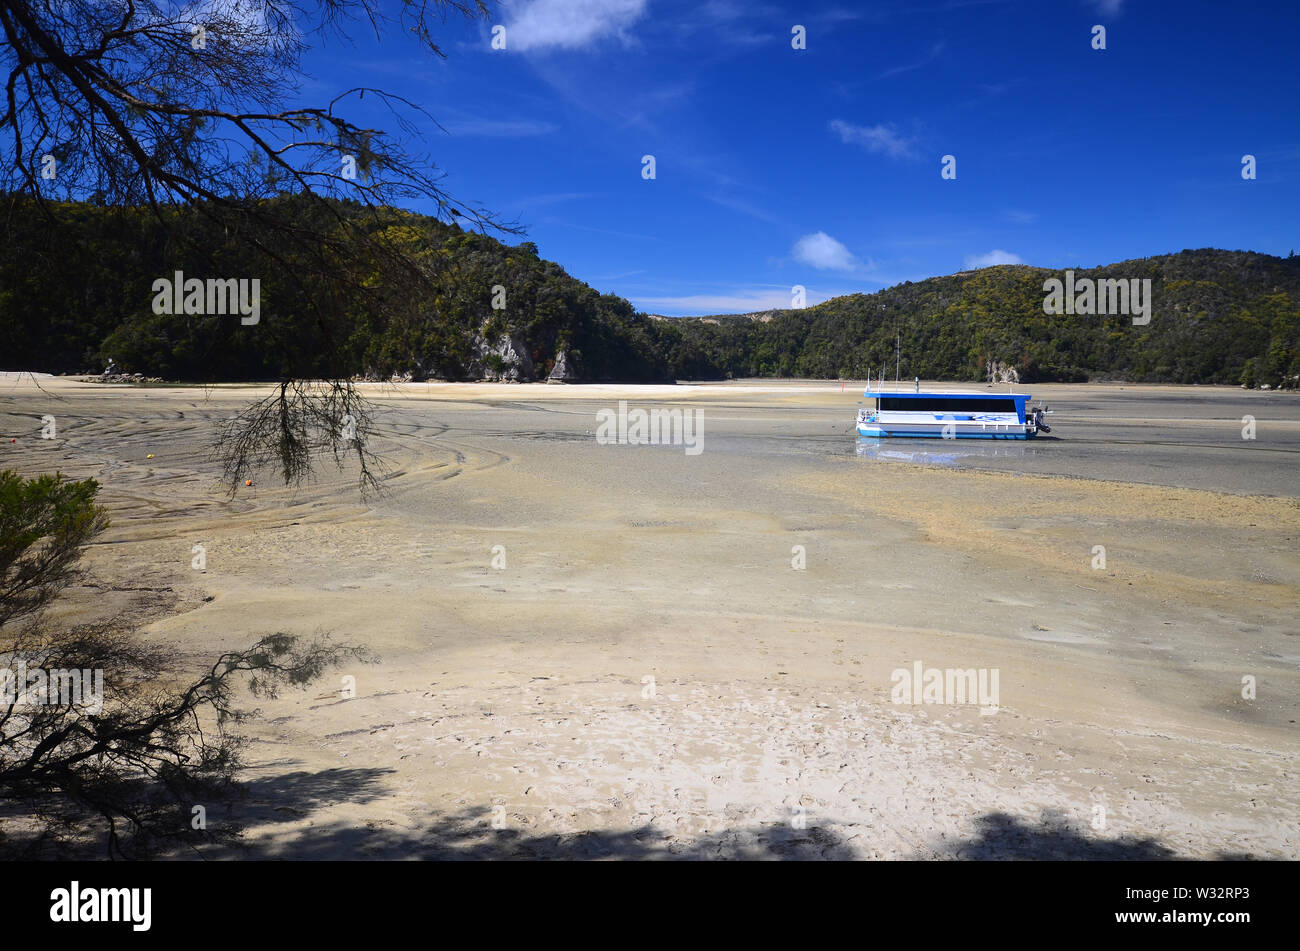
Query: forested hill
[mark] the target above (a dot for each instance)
(77, 290)
(1216, 317)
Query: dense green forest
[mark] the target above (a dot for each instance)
(1217, 317)
(76, 291)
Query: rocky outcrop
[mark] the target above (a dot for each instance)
(107, 377)
(564, 370)
(999, 372)
(506, 360)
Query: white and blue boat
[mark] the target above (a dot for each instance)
(949, 415)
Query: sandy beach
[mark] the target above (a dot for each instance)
(692, 655)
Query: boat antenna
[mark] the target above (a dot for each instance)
(898, 355)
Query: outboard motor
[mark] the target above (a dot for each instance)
(1039, 423)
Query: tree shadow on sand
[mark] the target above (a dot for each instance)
(293, 797)
(469, 834)
(1003, 837)
(290, 796)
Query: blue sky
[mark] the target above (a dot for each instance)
(821, 167)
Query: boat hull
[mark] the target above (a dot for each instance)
(918, 415)
(878, 432)
(903, 425)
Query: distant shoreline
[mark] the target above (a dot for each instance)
(10, 376)
(849, 390)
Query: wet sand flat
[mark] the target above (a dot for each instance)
(650, 674)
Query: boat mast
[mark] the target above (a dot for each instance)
(898, 351)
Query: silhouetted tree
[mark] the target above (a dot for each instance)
(127, 759)
(130, 102)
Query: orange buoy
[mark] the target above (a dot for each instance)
(248, 482)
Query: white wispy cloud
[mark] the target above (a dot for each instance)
(621, 275)
(999, 89)
(1110, 8)
(935, 51)
(616, 234)
(551, 198)
(739, 300)
(1020, 217)
(568, 24)
(994, 257)
(641, 109)
(731, 11)
(823, 252)
(729, 18)
(875, 138)
(835, 15)
(500, 128)
(744, 207)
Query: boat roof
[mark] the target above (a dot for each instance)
(912, 395)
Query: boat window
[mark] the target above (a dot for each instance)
(939, 404)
